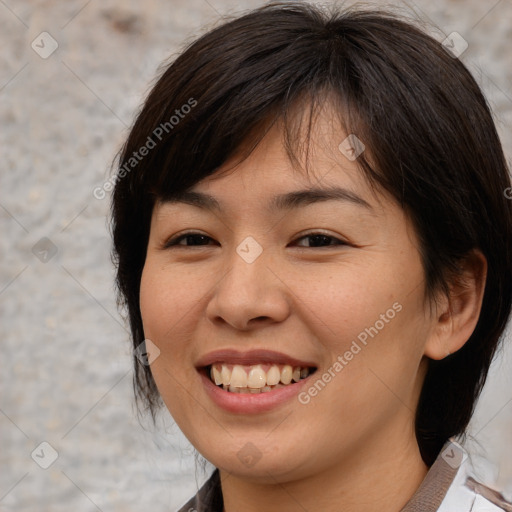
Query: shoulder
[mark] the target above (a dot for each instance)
(450, 486)
(486, 498)
(466, 493)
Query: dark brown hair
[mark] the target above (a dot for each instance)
(423, 120)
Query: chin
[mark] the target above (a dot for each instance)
(261, 461)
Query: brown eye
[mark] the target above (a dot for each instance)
(191, 240)
(322, 240)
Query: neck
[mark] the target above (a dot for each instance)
(380, 476)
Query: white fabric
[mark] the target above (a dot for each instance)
(459, 497)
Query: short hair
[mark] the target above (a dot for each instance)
(424, 122)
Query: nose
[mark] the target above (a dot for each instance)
(250, 294)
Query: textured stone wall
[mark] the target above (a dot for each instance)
(72, 75)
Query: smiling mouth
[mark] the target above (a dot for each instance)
(258, 378)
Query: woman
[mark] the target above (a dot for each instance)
(314, 245)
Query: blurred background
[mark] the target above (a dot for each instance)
(72, 76)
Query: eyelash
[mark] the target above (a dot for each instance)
(173, 242)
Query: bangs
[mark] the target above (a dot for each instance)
(229, 120)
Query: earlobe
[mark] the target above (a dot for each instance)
(457, 315)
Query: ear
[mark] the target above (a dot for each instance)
(457, 315)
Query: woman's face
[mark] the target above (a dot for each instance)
(265, 284)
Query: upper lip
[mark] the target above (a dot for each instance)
(250, 357)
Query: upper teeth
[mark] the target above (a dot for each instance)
(255, 376)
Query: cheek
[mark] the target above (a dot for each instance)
(343, 304)
(373, 319)
(164, 304)
(153, 303)
(165, 298)
(172, 300)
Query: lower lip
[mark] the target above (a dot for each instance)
(251, 403)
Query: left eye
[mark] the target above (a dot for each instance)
(322, 240)
(196, 239)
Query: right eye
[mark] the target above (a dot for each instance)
(191, 238)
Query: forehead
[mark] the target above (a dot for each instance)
(266, 186)
(319, 170)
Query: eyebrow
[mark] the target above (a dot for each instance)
(288, 201)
